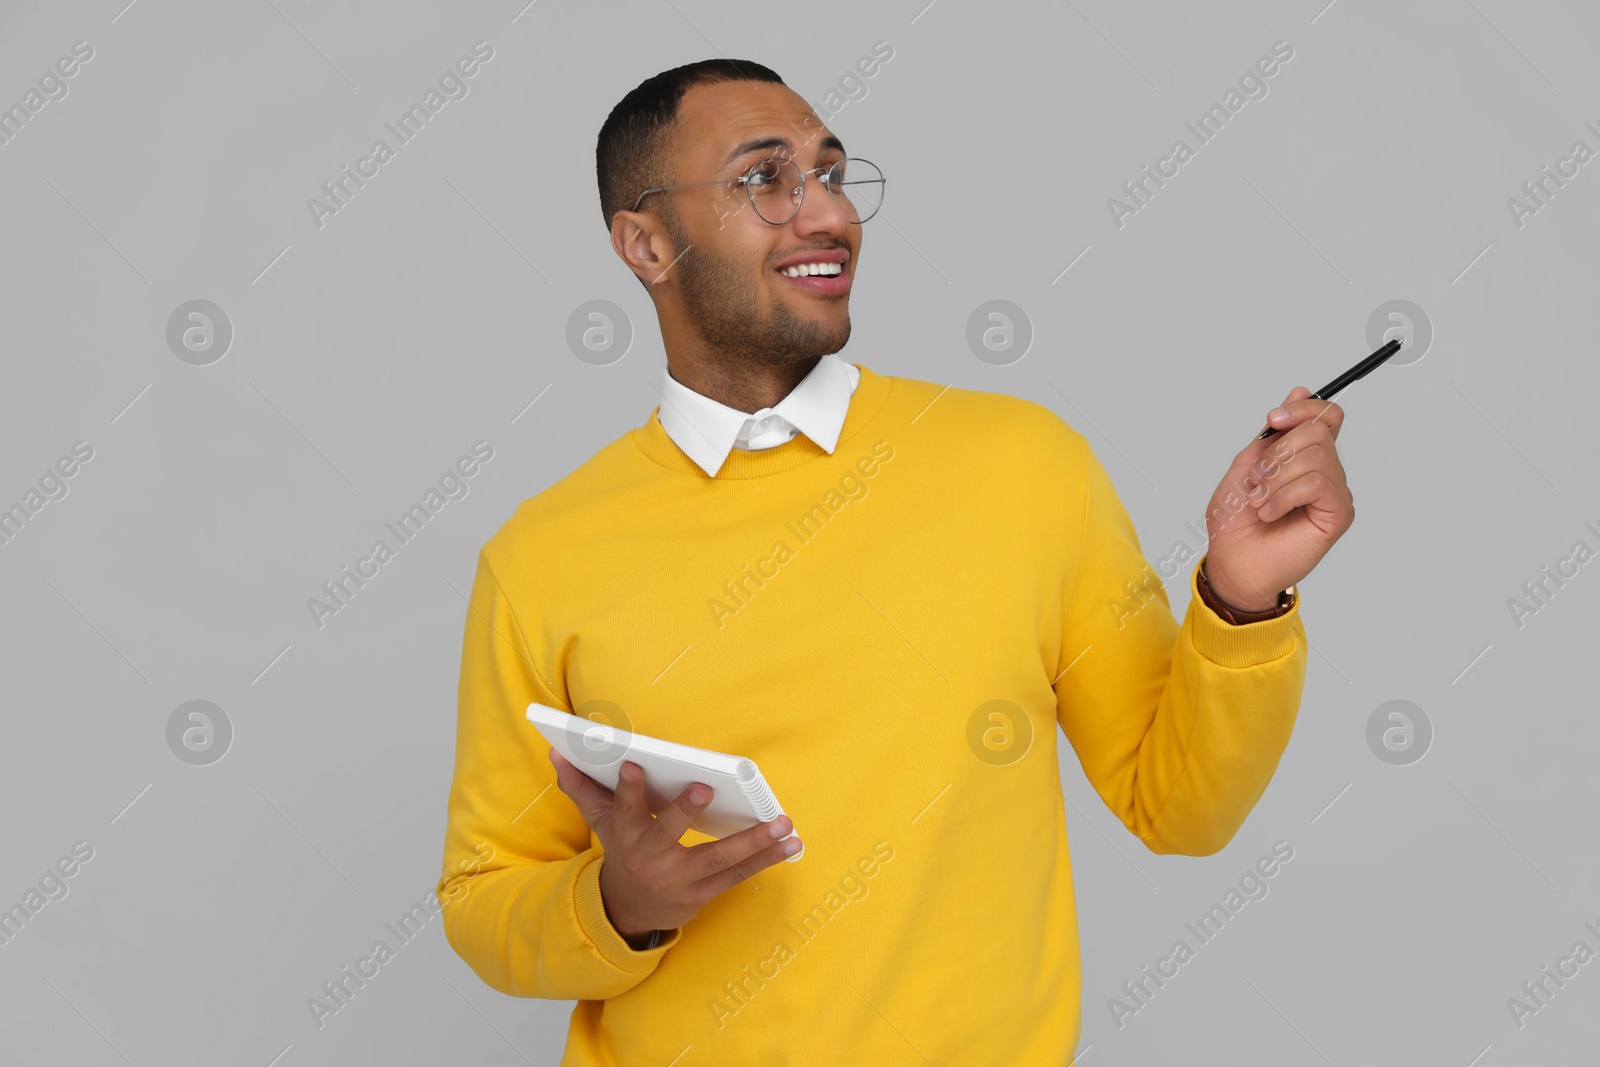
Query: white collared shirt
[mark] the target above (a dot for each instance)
(708, 430)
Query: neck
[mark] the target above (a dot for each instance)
(748, 383)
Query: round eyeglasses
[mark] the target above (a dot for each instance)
(776, 187)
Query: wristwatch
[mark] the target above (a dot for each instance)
(1286, 600)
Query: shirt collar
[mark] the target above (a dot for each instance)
(707, 430)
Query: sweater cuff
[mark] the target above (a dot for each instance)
(1244, 645)
(596, 925)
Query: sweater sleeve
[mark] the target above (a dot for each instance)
(1178, 728)
(520, 890)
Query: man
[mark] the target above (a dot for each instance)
(886, 592)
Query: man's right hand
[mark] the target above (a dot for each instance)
(647, 880)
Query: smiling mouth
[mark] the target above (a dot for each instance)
(815, 270)
(831, 279)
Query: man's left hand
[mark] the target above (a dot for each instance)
(1280, 507)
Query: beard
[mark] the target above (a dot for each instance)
(724, 303)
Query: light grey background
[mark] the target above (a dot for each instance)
(369, 354)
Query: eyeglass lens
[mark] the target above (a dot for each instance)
(775, 188)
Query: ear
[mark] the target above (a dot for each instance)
(642, 243)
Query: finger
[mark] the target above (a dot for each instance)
(1262, 464)
(679, 815)
(1314, 490)
(630, 811)
(1299, 392)
(1258, 445)
(1264, 459)
(1284, 462)
(1294, 412)
(714, 885)
(739, 856)
(593, 799)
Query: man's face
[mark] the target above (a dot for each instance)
(728, 282)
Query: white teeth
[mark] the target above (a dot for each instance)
(805, 269)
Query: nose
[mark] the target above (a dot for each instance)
(821, 212)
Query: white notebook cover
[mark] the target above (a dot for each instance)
(740, 795)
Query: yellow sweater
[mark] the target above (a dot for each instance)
(892, 632)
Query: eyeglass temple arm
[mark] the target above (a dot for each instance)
(665, 188)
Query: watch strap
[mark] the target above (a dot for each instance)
(1286, 600)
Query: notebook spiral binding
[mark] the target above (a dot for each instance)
(756, 790)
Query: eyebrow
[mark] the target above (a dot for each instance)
(765, 142)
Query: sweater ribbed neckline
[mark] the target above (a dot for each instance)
(871, 393)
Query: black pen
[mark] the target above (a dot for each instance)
(1360, 370)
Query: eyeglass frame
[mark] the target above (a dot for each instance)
(744, 179)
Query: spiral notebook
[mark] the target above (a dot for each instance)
(740, 797)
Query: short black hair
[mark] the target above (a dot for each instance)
(628, 154)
